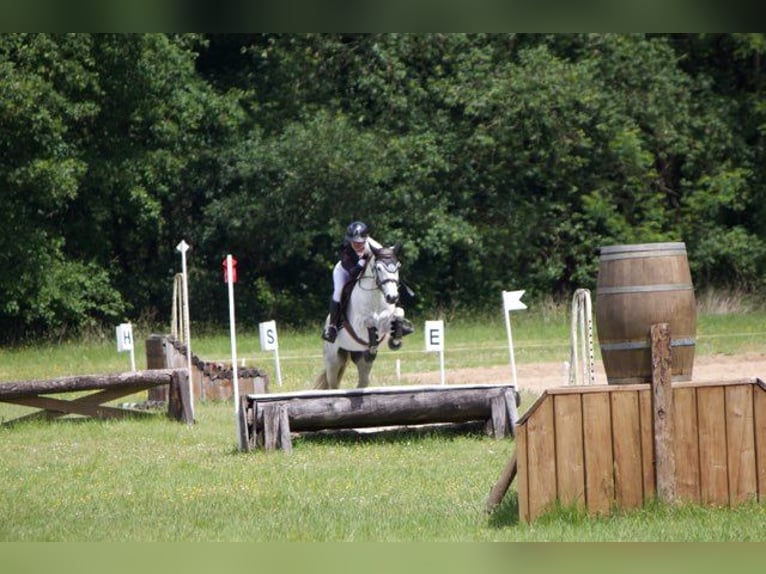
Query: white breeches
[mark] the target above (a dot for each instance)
(339, 278)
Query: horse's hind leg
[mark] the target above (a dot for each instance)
(363, 366)
(335, 365)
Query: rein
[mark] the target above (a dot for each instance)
(391, 267)
(357, 338)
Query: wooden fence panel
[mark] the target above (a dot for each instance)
(686, 445)
(647, 443)
(741, 443)
(599, 476)
(714, 480)
(597, 445)
(541, 455)
(523, 470)
(759, 424)
(626, 431)
(570, 464)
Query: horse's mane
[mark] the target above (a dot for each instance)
(385, 254)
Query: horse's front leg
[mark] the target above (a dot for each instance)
(364, 367)
(400, 327)
(372, 346)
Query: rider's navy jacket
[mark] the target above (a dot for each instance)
(349, 259)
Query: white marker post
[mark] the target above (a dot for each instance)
(512, 302)
(230, 277)
(270, 342)
(183, 247)
(125, 342)
(435, 342)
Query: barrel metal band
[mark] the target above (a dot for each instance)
(634, 345)
(637, 254)
(644, 288)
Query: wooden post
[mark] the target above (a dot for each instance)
(179, 402)
(499, 419)
(662, 403)
(285, 441)
(276, 428)
(244, 436)
(156, 358)
(503, 483)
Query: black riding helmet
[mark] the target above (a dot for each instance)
(357, 232)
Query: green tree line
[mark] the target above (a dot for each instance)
(498, 161)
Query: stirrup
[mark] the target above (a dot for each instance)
(407, 327)
(401, 328)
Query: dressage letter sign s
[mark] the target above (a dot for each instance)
(268, 332)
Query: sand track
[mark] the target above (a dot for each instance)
(537, 377)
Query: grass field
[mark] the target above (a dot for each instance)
(158, 480)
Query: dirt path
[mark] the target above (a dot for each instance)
(537, 377)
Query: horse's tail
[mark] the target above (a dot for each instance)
(321, 382)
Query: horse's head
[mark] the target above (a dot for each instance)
(386, 271)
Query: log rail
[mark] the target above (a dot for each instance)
(105, 388)
(270, 418)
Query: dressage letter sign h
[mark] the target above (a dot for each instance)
(125, 342)
(124, 337)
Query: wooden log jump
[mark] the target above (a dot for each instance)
(270, 418)
(210, 380)
(105, 388)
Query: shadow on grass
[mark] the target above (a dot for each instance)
(506, 513)
(389, 435)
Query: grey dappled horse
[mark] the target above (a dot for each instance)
(370, 318)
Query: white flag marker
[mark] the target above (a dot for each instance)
(512, 302)
(183, 247)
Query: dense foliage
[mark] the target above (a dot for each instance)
(499, 161)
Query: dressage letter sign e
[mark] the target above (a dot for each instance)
(434, 335)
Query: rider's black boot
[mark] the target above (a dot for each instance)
(331, 330)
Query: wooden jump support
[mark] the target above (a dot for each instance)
(105, 388)
(618, 446)
(270, 418)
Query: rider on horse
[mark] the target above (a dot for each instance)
(355, 251)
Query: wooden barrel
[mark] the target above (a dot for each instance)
(639, 286)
